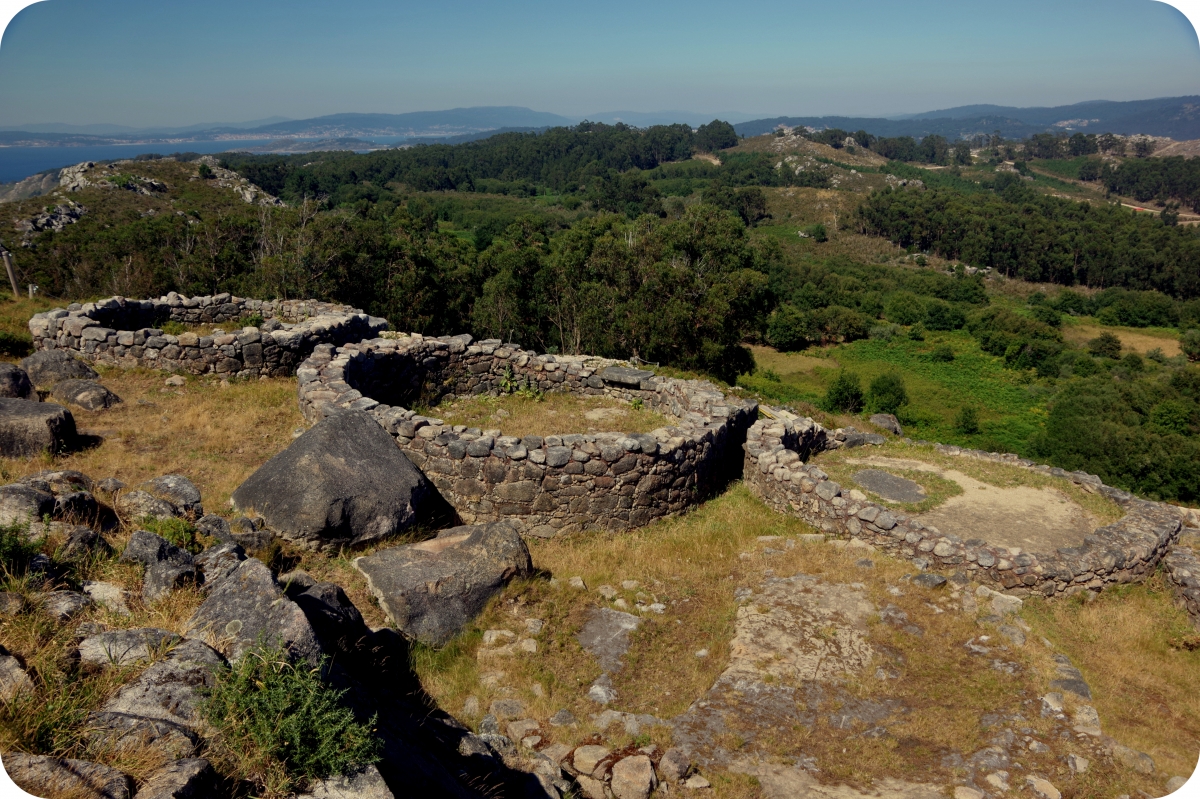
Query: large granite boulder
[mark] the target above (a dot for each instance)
(22, 504)
(49, 367)
(247, 608)
(87, 394)
(29, 428)
(431, 590)
(52, 776)
(14, 383)
(342, 483)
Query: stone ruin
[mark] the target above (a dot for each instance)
(123, 332)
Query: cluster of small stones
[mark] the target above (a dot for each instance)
(1122, 552)
(546, 485)
(123, 332)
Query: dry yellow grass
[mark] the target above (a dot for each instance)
(1138, 341)
(1146, 690)
(216, 436)
(551, 414)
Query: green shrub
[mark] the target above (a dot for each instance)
(15, 346)
(1157, 355)
(904, 308)
(966, 421)
(845, 394)
(280, 724)
(817, 233)
(179, 532)
(174, 328)
(941, 315)
(942, 354)
(1189, 342)
(917, 332)
(887, 393)
(205, 172)
(883, 332)
(1133, 362)
(1047, 315)
(770, 374)
(788, 329)
(16, 549)
(1085, 366)
(253, 320)
(1105, 345)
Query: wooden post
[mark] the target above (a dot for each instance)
(12, 276)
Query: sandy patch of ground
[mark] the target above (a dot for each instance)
(1033, 519)
(1140, 343)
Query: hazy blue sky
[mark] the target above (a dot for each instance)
(150, 62)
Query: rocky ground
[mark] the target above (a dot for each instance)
(728, 652)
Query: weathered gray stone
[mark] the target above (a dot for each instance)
(21, 504)
(189, 778)
(219, 561)
(177, 490)
(888, 422)
(342, 483)
(247, 608)
(605, 635)
(124, 647)
(889, 486)
(625, 376)
(51, 776)
(586, 758)
(674, 765)
(432, 589)
(122, 732)
(365, 784)
(169, 689)
(29, 428)
(48, 367)
(1132, 759)
(87, 394)
(138, 505)
(62, 605)
(13, 679)
(167, 566)
(633, 778)
(14, 383)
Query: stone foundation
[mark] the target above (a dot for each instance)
(547, 485)
(126, 333)
(1125, 551)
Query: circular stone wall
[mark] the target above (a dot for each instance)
(125, 332)
(547, 485)
(1127, 550)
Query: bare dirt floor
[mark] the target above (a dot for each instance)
(1032, 519)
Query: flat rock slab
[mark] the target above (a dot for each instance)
(123, 647)
(431, 590)
(87, 394)
(126, 733)
(344, 482)
(29, 428)
(625, 376)
(889, 486)
(52, 776)
(48, 367)
(169, 690)
(605, 635)
(366, 784)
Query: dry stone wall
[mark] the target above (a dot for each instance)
(124, 332)
(547, 485)
(1125, 551)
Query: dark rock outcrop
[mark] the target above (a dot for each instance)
(342, 483)
(431, 590)
(21, 504)
(169, 690)
(247, 608)
(29, 428)
(50, 367)
(177, 490)
(167, 566)
(14, 383)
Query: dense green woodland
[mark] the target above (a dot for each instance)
(617, 244)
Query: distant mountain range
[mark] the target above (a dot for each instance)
(1174, 117)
